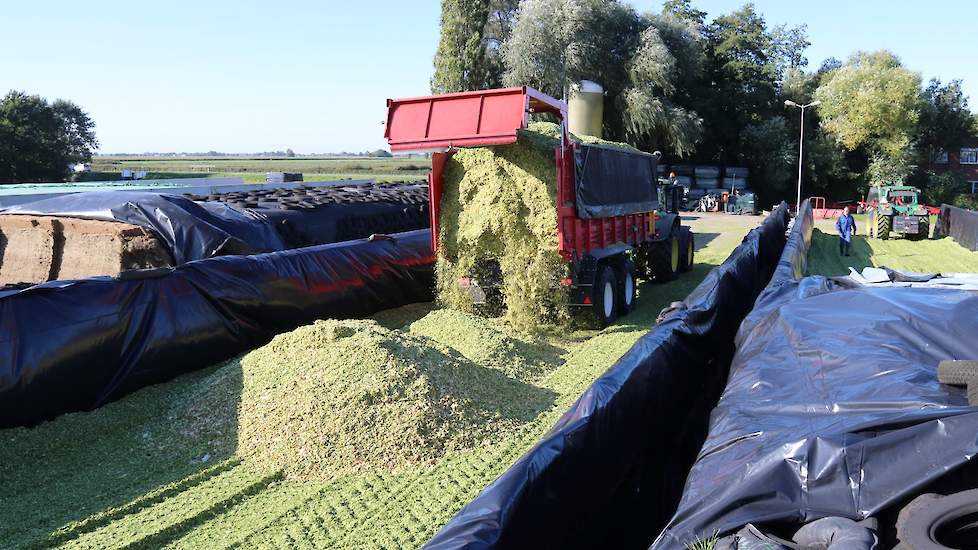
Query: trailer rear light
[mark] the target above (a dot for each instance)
(566, 281)
(465, 281)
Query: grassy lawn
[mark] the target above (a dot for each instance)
(110, 478)
(253, 169)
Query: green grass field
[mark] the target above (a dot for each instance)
(253, 169)
(107, 479)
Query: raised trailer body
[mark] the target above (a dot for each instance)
(587, 238)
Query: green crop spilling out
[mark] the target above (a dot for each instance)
(499, 208)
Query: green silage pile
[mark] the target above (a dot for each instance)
(499, 205)
(489, 342)
(341, 397)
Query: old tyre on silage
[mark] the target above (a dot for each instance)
(933, 522)
(664, 259)
(957, 372)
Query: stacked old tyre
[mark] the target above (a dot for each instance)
(937, 522)
(311, 215)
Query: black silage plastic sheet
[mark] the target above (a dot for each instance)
(959, 224)
(190, 230)
(194, 230)
(833, 407)
(75, 345)
(610, 472)
(613, 182)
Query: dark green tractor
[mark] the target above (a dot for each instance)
(896, 208)
(671, 251)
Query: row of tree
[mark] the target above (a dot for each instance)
(40, 140)
(713, 92)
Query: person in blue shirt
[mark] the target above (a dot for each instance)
(846, 227)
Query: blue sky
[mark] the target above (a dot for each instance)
(244, 76)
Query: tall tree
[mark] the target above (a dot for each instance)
(683, 9)
(499, 27)
(555, 43)
(643, 63)
(668, 61)
(945, 119)
(40, 140)
(873, 102)
(461, 61)
(740, 85)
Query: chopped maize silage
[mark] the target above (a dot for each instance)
(341, 397)
(489, 342)
(499, 205)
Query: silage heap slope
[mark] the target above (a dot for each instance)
(345, 397)
(927, 256)
(499, 205)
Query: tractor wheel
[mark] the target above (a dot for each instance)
(883, 224)
(687, 244)
(923, 229)
(664, 259)
(603, 297)
(627, 288)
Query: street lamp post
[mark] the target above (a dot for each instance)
(801, 143)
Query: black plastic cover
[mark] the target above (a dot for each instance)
(222, 225)
(610, 472)
(191, 230)
(959, 224)
(833, 407)
(75, 345)
(613, 182)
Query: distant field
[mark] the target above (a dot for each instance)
(253, 169)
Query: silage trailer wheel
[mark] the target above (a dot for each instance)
(604, 296)
(627, 290)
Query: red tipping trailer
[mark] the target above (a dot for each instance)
(602, 244)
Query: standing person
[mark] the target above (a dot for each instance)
(846, 226)
(673, 178)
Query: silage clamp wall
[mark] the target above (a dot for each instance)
(75, 345)
(611, 471)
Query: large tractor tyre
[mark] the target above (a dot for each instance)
(664, 259)
(923, 229)
(883, 225)
(604, 297)
(627, 288)
(687, 246)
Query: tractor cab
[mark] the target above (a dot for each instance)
(671, 198)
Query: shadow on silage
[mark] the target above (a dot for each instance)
(82, 471)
